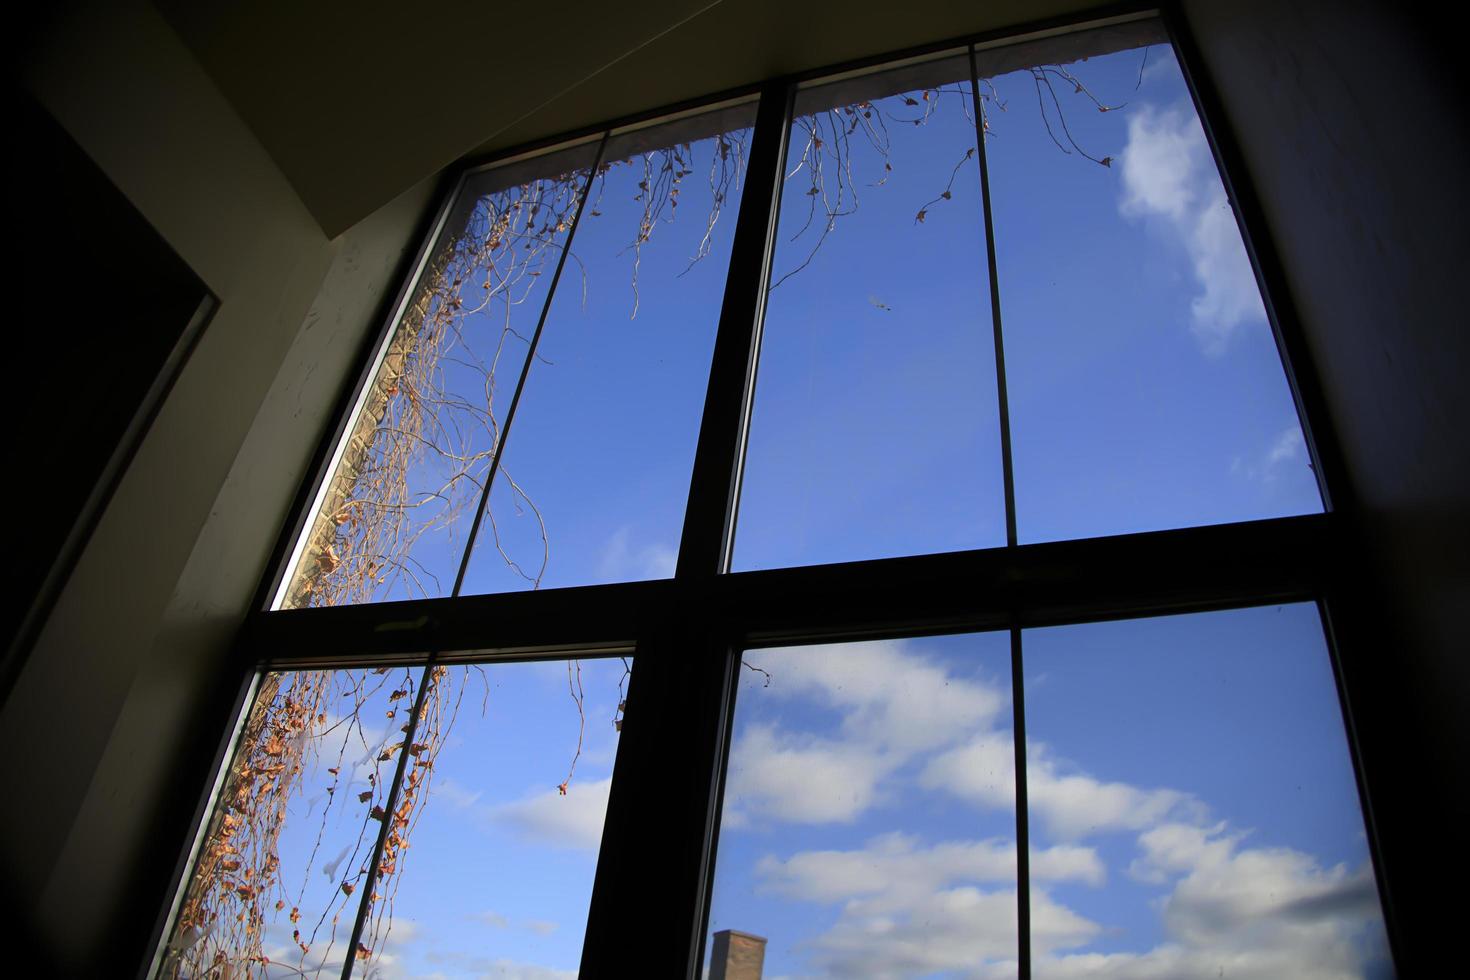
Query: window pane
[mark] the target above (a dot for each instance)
(1144, 383)
(276, 886)
(392, 521)
(841, 842)
(1202, 761)
(505, 839)
(595, 475)
(875, 429)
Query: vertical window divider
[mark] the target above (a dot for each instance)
(1007, 470)
(708, 534)
(515, 400)
(1023, 826)
(1018, 684)
(390, 804)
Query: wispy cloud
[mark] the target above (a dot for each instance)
(573, 820)
(1169, 176)
(620, 560)
(1289, 448)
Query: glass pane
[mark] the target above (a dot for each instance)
(272, 892)
(1202, 760)
(842, 844)
(505, 837)
(1145, 387)
(875, 429)
(392, 521)
(595, 475)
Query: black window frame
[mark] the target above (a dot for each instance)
(688, 632)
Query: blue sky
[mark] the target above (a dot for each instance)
(1145, 388)
(1181, 769)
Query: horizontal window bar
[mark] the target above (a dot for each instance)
(1191, 569)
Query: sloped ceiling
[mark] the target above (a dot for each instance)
(359, 101)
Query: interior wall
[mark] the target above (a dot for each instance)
(118, 704)
(1355, 141)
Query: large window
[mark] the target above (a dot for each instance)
(862, 528)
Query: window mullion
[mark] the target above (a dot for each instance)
(658, 834)
(1008, 473)
(1023, 826)
(709, 517)
(390, 804)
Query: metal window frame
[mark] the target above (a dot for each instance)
(687, 632)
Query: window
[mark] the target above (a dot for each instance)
(957, 628)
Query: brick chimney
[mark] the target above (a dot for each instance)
(737, 955)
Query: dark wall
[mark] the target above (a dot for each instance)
(100, 314)
(1354, 137)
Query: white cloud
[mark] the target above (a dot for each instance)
(894, 705)
(889, 694)
(621, 561)
(1070, 804)
(896, 865)
(953, 929)
(909, 909)
(1168, 175)
(1243, 912)
(1230, 896)
(801, 779)
(573, 821)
